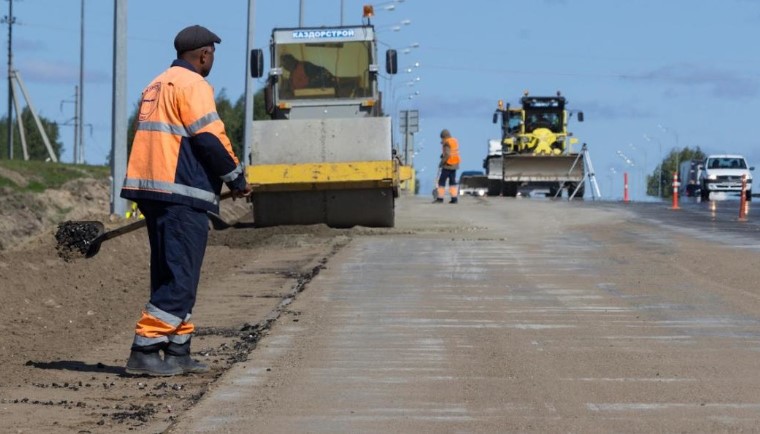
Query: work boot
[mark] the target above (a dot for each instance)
(454, 200)
(186, 364)
(150, 363)
(438, 200)
(178, 355)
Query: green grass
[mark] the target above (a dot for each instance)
(5, 182)
(42, 175)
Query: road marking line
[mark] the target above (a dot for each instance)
(666, 406)
(634, 380)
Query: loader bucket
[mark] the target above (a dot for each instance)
(543, 168)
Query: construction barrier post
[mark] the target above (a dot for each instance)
(743, 200)
(675, 190)
(625, 187)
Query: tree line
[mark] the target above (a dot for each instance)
(669, 166)
(34, 144)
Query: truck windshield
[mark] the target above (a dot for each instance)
(544, 119)
(726, 163)
(324, 70)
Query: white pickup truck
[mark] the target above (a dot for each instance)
(474, 183)
(723, 173)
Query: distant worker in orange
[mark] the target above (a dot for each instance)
(449, 165)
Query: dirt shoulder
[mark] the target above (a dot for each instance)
(68, 325)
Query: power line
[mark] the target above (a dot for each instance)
(502, 71)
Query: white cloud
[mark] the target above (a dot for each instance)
(598, 110)
(458, 107)
(719, 83)
(50, 71)
(31, 45)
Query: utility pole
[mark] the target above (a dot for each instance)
(119, 108)
(678, 145)
(76, 122)
(248, 125)
(300, 13)
(40, 127)
(79, 143)
(10, 20)
(409, 121)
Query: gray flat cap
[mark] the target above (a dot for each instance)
(193, 37)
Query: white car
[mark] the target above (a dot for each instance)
(724, 173)
(473, 183)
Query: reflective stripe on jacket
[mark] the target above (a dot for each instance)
(181, 152)
(453, 161)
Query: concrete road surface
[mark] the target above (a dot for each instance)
(507, 315)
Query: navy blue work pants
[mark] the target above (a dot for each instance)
(450, 174)
(178, 235)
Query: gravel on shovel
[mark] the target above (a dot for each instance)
(74, 238)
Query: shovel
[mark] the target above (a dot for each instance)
(219, 224)
(93, 246)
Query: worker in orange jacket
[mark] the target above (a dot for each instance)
(449, 164)
(180, 158)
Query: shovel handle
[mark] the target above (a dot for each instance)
(94, 247)
(122, 230)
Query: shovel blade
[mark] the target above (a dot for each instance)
(217, 222)
(94, 247)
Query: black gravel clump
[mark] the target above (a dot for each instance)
(74, 238)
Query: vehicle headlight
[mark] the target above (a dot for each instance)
(712, 177)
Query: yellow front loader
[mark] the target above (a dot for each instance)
(535, 151)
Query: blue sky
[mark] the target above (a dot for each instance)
(681, 72)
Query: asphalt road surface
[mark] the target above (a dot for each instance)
(508, 315)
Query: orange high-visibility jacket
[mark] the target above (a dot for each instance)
(181, 152)
(453, 160)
